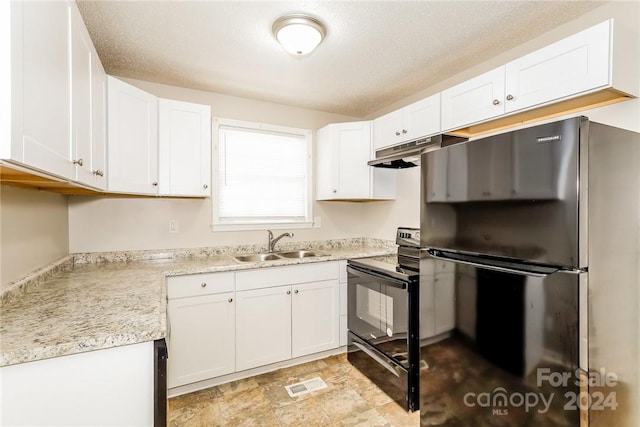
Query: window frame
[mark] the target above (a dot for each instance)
(245, 225)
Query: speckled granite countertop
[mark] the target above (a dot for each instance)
(87, 302)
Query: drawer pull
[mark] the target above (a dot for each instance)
(204, 285)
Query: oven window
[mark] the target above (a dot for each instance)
(375, 308)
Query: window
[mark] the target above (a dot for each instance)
(262, 176)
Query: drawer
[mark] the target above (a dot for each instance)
(288, 275)
(192, 285)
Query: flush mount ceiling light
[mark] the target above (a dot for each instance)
(298, 34)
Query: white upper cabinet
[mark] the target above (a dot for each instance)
(184, 148)
(573, 65)
(343, 150)
(475, 100)
(133, 139)
(592, 64)
(416, 120)
(98, 123)
(56, 110)
(81, 86)
(42, 72)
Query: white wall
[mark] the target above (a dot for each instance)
(383, 218)
(118, 224)
(108, 224)
(33, 230)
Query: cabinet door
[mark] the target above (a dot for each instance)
(473, 101)
(98, 123)
(202, 338)
(573, 65)
(387, 131)
(343, 152)
(133, 139)
(353, 148)
(421, 118)
(263, 327)
(46, 139)
(444, 302)
(81, 64)
(326, 179)
(184, 138)
(315, 317)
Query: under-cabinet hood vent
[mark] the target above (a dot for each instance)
(407, 154)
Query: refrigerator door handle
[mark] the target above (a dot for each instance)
(535, 271)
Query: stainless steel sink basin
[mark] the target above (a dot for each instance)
(257, 257)
(301, 254)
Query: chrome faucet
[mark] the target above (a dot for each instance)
(271, 243)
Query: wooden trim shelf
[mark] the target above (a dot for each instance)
(19, 176)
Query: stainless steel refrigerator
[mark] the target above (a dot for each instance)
(541, 227)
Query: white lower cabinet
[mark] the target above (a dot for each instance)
(315, 317)
(201, 323)
(226, 322)
(263, 327)
(109, 387)
(202, 339)
(276, 324)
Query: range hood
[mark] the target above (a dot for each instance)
(407, 154)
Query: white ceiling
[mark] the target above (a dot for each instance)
(375, 52)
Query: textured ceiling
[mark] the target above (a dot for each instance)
(375, 52)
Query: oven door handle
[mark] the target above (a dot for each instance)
(378, 358)
(388, 280)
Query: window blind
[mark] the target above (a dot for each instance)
(262, 176)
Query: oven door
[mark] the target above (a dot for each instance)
(378, 311)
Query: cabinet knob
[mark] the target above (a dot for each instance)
(98, 172)
(295, 292)
(397, 133)
(78, 162)
(335, 191)
(203, 285)
(496, 102)
(230, 300)
(205, 186)
(288, 292)
(155, 184)
(404, 131)
(509, 97)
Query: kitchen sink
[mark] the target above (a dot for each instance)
(279, 255)
(301, 254)
(257, 257)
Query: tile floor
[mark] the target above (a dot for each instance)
(350, 399)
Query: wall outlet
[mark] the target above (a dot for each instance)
(173, 226)
(316, 222)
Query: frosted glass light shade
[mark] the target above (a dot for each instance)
(298, 34)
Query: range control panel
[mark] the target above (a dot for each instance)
(406, 236)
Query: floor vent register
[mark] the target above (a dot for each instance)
(304, 387)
